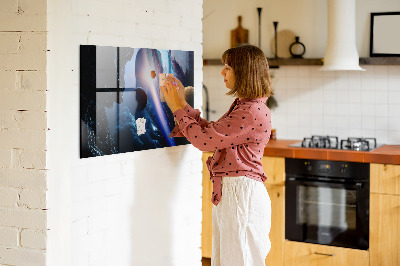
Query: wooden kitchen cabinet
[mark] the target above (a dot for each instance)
(206, 225)
(384, 225)
(385, 178)
(305, 254)
(277, 233)
(274, 168)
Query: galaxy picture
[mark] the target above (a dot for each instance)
(121, 106)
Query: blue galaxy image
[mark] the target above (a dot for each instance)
(120, 105)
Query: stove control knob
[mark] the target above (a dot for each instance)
(308, 166)
(343, 168)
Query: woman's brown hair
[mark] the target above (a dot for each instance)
(250, 66)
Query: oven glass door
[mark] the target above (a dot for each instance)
(327, 213)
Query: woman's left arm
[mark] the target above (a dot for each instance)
(239, 127)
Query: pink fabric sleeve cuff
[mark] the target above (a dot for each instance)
(178, 115)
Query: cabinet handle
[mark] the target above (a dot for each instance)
(324, 254)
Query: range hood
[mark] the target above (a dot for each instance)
(341, 51)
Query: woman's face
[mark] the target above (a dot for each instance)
(229, 76)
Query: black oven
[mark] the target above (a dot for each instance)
(327, 202)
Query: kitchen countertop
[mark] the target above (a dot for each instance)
(389, 154)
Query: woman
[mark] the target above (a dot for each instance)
(241, 213)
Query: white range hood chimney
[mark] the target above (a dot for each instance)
(341, 51)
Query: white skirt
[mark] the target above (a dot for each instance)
(241, 223)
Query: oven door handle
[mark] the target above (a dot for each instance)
(357, 185)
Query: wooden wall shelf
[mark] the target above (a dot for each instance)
(273, 63)
(380, 61)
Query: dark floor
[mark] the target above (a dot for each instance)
(206, 261)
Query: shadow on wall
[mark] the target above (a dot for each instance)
(152, 213)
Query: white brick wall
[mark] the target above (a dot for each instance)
(23, 132)
(139, 208)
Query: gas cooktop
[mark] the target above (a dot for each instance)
(332, 142)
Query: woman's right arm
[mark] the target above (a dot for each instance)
(195, 114)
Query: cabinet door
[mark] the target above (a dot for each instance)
(277, 233)
(385, 178)
(206, 232)
(304, 254)
(274, 168)
(384, 230)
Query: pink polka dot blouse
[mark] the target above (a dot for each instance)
(238, 139)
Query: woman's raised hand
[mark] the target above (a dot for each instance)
(174, 93)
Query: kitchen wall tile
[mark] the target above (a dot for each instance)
(316, 72)
(329, 109)
(394, 123)
(342, 80)
(367, 133)
(355, 96)
(381, 97)
(329, 122)
(355, 132)
(317, 95)
(394, 137)
(292, 83)
(355, 109)
(317, 108)
(380, 84)
(342, 122)
(367, 110)
(304, 82)
(291, 133)
(291, 71)
(342, 133)
(304, 72)
(317, 120)
(394, 97)
(369, 70)
(328, 74)
(329, 93)
(367, 123)
(304, 109)
(342, 109)
(317, 131)
(380, 71)
(381, 123)
(394, 83)
(331, 131)
(354, 80)
(367, 96)
(293, 120)
(327, 99)
(342, 96)
(394, 110)
(381, 110)
(367, 82)
(278, 83)
(393, 71)
(276, 72)
(304, 131)
(354, 122)
(316, 82)
(381, 136)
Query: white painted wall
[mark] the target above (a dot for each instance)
(139, 208)
(344, 103)
(23, 133)
(305, 18)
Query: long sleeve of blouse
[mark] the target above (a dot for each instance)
(193, 113)
(238, 139)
